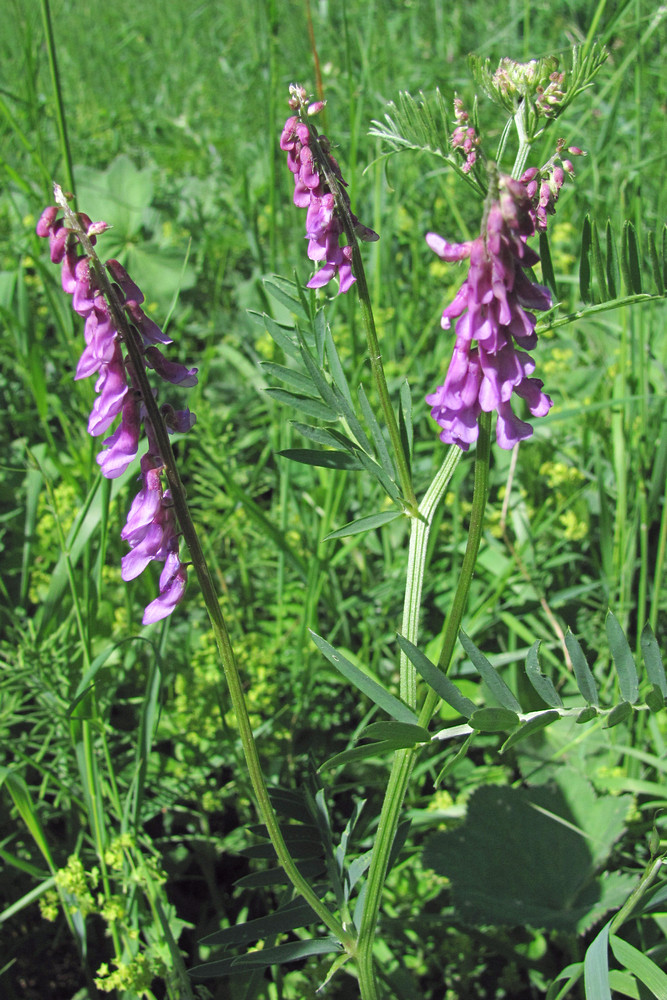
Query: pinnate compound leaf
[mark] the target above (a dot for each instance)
(542, 684)
(623, 659)
(585, 680)
(371, 688)
(653, 660)
(491, 677)
(644, 968)
(435, 678)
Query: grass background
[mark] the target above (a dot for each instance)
(174, 114)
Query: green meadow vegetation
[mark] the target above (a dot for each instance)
(524, 859)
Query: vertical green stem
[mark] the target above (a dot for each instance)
(404, 760)
(57, 92)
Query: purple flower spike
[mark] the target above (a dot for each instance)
(323, 225)
(151, 530)
(491, 309)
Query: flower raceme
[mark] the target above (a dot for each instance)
(492, 309)
(151, 530)
(311, 191)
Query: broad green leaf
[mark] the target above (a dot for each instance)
(542, 684)
(365, 524)
(313, 407)
(653, 660)
(531, 727)
(370, 687)
(494, 720)
(641, 966)
(628, 680)
(585, 680)
(435, 678)
(491, 677)
(287, 918)
(619, 713)
(396, 731)
(596, 967)
(585, 264)
(322, 459)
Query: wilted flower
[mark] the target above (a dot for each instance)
(323, 224)
(492, 307)
(151, 529)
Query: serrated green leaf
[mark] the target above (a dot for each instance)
(619, 713)
(322, 459)
(531, 727)
(586, 715)
(494, 720)
(585, 263)
(313, 407)
(396, 731)
(547, 265)
(435, 678)
(542, 684)
(596, 967)
(584, 677)
(365, 524)
(624, 662)
(641, 966)
(655, 264)
(491, 677)
(287, 918)
(653, 660)
(296, 380)
(370, 687)
(613, 276)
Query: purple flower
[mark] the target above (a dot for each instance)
(323, 225)
(151, 530)
(491, 309)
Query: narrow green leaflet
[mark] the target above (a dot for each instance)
(542, 684)
(531, 727)
(619, 713)
(376, 433)
(287, 293)
(585, 263)
(494, 720)
(379, 695)
(641, 966)
(312, 407)
(435, 678)
(547, 265)
(613, 275)
(287, 918)
(280, 333)
(365, 524)
(291, 377)
(396, 731)
(653, 660)
(379, 748)
(596, 967)
(336, 368)
(289, 952)
(656, 268)
(322, 459)
(491, 677)
(598, 263)
(630, 260)
(628, 680)
(585, 680)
